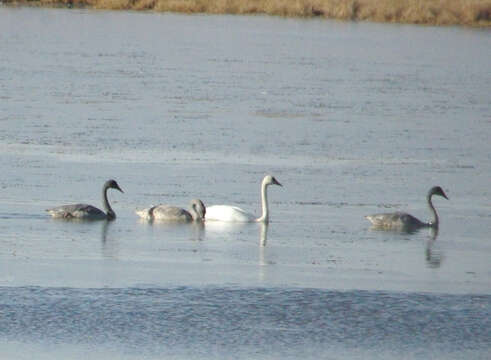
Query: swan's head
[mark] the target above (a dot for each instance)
(112, 184)
(270, 180)
(436, 190)
(199, 208)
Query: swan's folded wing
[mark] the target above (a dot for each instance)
(78, 211)
(395, 220)
(170, 213)
(228, 213)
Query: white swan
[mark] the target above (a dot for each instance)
(197, 212)
(406, 222)
(234, 214)
(88, 212)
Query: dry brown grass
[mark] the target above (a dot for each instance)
(437, 12)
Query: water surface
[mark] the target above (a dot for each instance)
(258, 322)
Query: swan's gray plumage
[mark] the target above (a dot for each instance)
(170, 212)
(396, 219)
(85, 211)
(197, 212)
(407, 222)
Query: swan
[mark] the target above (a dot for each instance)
(404, 221)
(88, 212)
(197, 212)
(234, 214)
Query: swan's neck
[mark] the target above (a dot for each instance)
(435, 221)
(195, 214)
(109, 211)
(264, 203)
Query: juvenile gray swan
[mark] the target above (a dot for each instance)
(404, 221)
(87, 212)
(197, 212)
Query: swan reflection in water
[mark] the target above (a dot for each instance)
(231, 229)
(433, 252)
(109, 246)
(197, 228)
(263, 237)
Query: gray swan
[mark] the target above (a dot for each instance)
(407, 222)
(87, 212)
(197, 212)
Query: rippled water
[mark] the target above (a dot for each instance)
(351, 118)
(221, 322)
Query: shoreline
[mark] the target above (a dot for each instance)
(422, 12)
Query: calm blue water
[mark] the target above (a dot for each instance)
(352, 119)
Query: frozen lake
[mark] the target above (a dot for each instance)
(351, 118)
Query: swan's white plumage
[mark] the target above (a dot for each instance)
(228, 213)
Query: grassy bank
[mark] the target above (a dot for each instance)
(435, 12)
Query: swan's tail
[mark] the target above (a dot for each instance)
(145, 213)
(373, 219)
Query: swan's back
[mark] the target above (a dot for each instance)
(171, 213)
(228, 213)
(165, 213)
(77, 211)
(396, 220)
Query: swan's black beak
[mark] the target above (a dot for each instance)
(442, 193)
(118, 188)
(276, 182)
